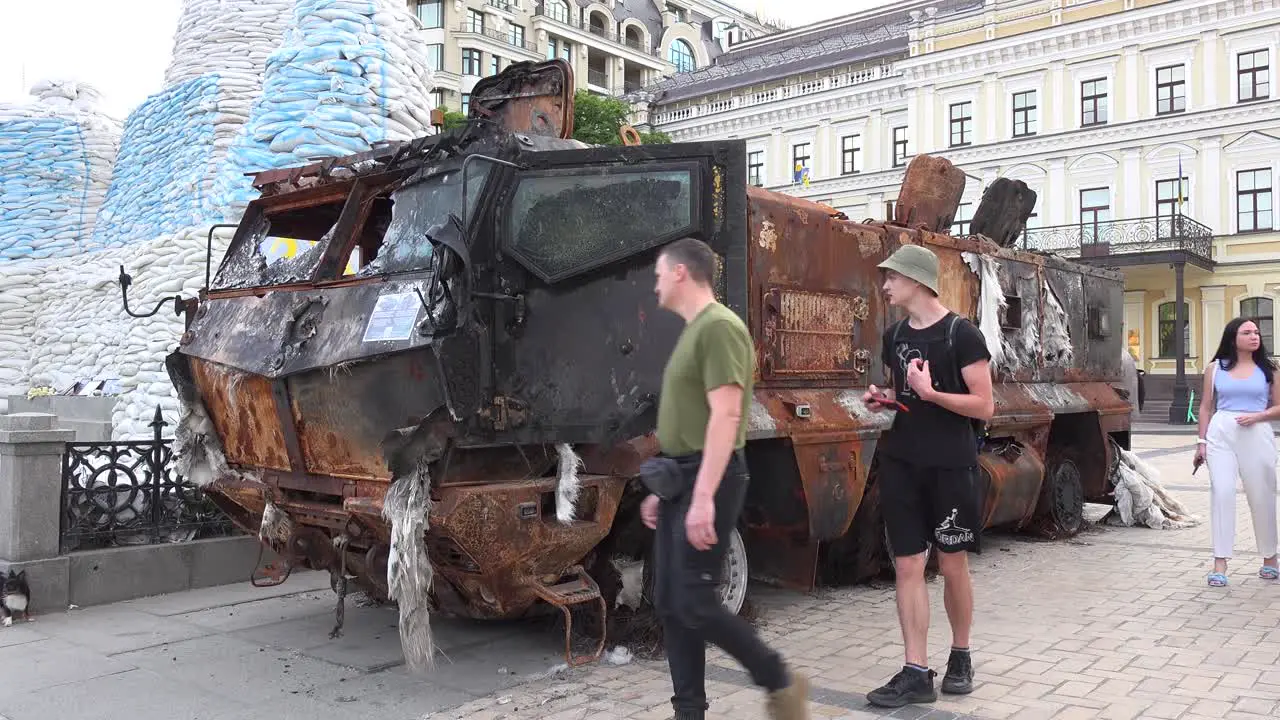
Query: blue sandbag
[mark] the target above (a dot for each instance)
(310, 151)
(351, 144)
(342, 114)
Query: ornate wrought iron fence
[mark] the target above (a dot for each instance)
(1123, 237)
(126, 493)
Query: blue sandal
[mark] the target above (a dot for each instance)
(1266, 572)
(1217, 579)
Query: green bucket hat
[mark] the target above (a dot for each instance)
(916, 262)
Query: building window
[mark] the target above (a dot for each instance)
(801, 153)
(899, 146)
(755, 168)
(849, 154)
(1095, 209)
(681, 56)
(961, 124)
(557, 47)
(1093, 102)
(1253, 75)
(1170, 195)
(431, 13)
(960, 224)
(1024, 113)
(494, 62)
(1253, 200)
(435, 57)
(517, 35)
(475, 21)
(1171, 90)
(557, 10)
(678, 11)
(470, 62)
(437, 99)
(1168, 322)
(466, 103)
(1259, 310)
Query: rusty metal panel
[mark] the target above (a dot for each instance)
(343, 414)
(244, 412)
(833, 480)
(930, 194)
(1104, 336)
(812, 332)
(788, 412)
(537, 100)
(815, 305)
(1012, 486)
(1069, 294)
(958, 287)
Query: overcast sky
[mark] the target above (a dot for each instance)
(122, 47)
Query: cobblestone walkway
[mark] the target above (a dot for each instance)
(1115, 624)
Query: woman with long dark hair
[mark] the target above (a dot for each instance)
(1239, 400)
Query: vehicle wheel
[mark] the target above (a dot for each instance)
(734, 575)
(1060, 512)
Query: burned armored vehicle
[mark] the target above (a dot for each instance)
(445, 392)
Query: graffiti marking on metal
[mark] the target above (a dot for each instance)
(392, 317)
(768, 236)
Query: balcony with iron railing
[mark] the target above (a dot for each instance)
(466, 27)
(784, 92)
(597, 30)
(1120, 243)
(501, 5)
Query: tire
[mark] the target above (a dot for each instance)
(1060, 511)
(735, 575)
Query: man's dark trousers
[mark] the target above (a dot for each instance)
(687, 598)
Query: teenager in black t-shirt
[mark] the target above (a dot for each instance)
(939, 369)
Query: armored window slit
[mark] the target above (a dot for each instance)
(1012, 319)
(1099, 324)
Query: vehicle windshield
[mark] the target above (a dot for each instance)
(285, 246)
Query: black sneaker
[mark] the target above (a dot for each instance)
(907, 687)
(959, 677)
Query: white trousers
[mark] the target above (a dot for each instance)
(1250, 453)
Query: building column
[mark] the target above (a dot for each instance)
(1181, 392)
(873, 143)
(992, 108)
(1212, 97)
(778, 163)
(1135, 321)
(1055, 115)
(1130, 192)
(1209, 184)
(1133, 83)
(1213, 303)
(916, 128)
(31, 505)
(1055, 193)
(826, 152)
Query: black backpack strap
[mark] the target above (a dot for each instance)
(893, 351)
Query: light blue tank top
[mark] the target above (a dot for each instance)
(1249, 395)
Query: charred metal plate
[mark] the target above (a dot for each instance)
(831, 473)
(810, 332)
(534, 98)
(244, 413)
(342, 414)
(1012, 487)
(1104, 341)
(817, 309)
(1066, 301)
(287, 331)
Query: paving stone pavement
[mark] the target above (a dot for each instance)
(1116, 623)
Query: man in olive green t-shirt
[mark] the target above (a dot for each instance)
(702, 411)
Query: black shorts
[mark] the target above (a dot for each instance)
(925, 506)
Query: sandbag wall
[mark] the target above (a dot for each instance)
(339, 75)
(56, 156)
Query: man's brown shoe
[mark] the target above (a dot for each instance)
(792, 701)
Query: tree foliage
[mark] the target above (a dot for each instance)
(598, 119)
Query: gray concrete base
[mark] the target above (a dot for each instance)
(89, 417)
(96, 577)
(47, 580)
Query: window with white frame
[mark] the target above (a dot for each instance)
(1095, 211)
(1171, 89)
(850, 148)
(431, 13)
(899, 146)
(960, 223)
(755, 168)
(1024, 113)
(1260, 311)
(1253, 75)
(681, 55)
(1093, 102)
(961, 124)
(1253, 200)
(1171, 195)
(435, 57)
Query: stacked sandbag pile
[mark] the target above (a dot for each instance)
(351, 73)
(55, 166)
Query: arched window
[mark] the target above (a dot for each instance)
(1168, 321)
(1260, 310)
(682, 56)
(557, 10)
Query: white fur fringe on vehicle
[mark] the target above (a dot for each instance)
(1140, 498)
(409, 572)
(569, 483)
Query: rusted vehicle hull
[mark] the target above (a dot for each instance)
(459, 422)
